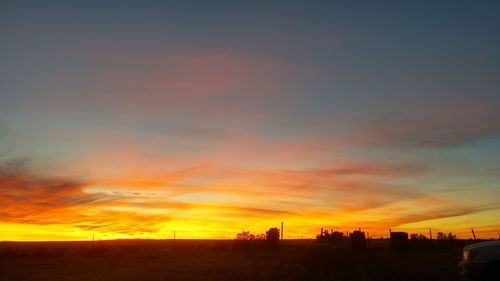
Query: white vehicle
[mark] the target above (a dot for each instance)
(481, 261)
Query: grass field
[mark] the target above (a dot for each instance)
(221, 260)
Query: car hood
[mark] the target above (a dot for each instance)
(482, 244)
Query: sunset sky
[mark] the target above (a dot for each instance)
(135, 119)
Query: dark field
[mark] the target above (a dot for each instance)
(222, 260)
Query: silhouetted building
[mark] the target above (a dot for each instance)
(357, 239)
(399, 241)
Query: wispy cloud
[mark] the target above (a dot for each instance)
(172, 80)
(443, 127)
(25, 196)
(29, 198)
(41, 200)
(369, 169)
(438, 212)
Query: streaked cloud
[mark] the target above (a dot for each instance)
(445, 126)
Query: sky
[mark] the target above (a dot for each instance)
(138, 119)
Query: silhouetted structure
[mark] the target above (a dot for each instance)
(336, 238)
(323, 236)
(420, 242)
(357, 239)
(399, 241)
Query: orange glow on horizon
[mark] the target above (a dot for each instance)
(60, 209)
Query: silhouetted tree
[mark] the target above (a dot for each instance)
(443, 236)
(245, 235)
(452, 236)
(260, 237)
(446, 239)
(247, 240)
(273, 236)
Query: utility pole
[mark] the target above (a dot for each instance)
(281, 240)
(281, 231)
(473, 234)
(430, 233)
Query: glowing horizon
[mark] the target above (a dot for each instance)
(209, 119)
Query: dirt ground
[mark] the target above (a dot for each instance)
(222, 260)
